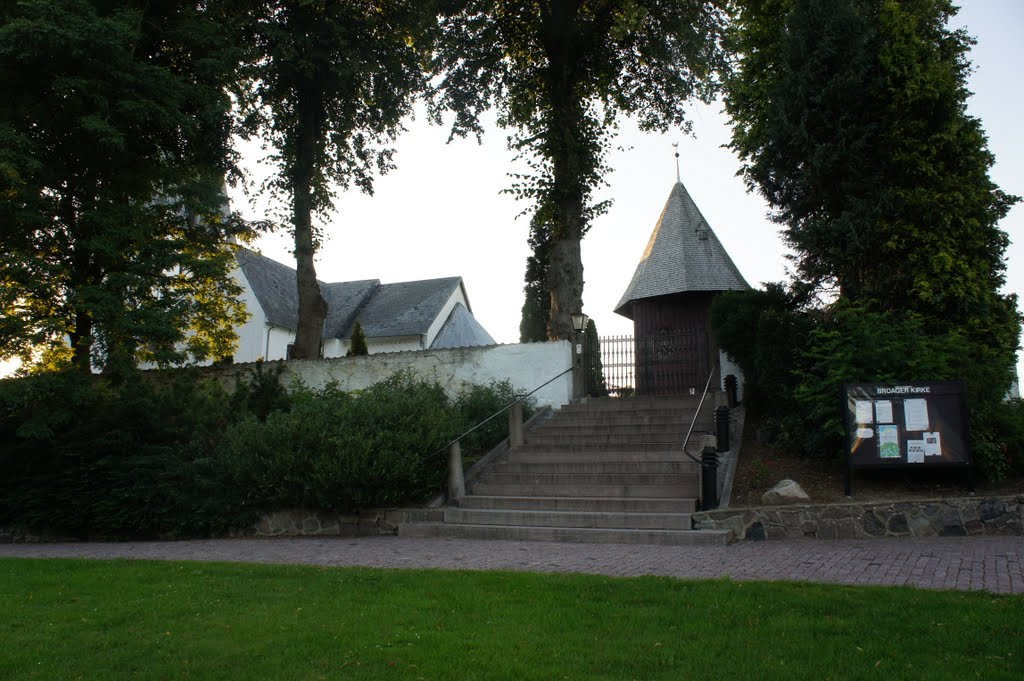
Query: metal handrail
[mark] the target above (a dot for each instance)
(501, 411)
(695, 415)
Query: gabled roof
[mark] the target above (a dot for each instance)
(407, 308)
(461, 330)
(384, 310)
(274, 286)
(344, 300)
(683, 254)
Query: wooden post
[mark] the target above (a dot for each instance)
(515, 425)
(456, 481)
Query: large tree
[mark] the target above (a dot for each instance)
(333, 82)
(561, 72)
(850, 119)
(114, 132)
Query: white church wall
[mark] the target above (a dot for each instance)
(526, 365)
(252, 334)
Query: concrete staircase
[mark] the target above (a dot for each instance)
(605, 470)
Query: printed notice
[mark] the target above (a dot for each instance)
(865, 412)
(865, 433)
(888, 442)
(883, 411)
(915, 451)
(932, 444)
(915, 414)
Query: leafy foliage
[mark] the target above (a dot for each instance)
(114, 141)
(94, 459)
(533, 328)
(327, 86)
(172, 456)
(850, 118)
(560, 72)
(596, 384)
(763, 331)
(358, 342)
(338, 451)
(474, 403)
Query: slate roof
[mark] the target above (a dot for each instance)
(683, 254)
(407, 308)
(461, 330)
(384, 310)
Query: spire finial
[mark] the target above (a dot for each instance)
(675, 145)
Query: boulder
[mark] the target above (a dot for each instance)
(786, 492)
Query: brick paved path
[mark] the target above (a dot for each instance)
(989, 563)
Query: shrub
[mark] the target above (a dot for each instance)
(357, 346)
(338, 452)
(90, 458)
(796, 361)
(175, 455)
(474, 403)
(260, 391)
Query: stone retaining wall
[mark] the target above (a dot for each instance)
(294, 523)
(297, 523)
(969, 516)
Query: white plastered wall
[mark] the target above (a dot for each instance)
(526, 365)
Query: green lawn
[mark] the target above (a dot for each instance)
(72, 619)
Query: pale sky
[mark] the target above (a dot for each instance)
(442, 212)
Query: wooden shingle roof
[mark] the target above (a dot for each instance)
(683, 254)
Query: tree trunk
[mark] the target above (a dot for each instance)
(312, 306)
(565, 283)
(81, 342)
(562, 41)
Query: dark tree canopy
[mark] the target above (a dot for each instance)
(114, 143)
(850, 118)
(533, 326)
(560, 73)
(329, 85)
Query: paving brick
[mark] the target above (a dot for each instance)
(968, 563)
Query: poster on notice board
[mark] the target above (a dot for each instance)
(907, 424)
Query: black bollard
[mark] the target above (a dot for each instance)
(722, 427)
(708, 479)
(731, 387)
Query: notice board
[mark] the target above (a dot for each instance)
(907, 425)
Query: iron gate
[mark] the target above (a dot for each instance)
(675, 363)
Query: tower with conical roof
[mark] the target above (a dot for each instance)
(669, 299)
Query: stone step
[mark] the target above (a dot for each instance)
(548, 456)
(566, 534)
(596, 438)
(639, 403)
(593, 519)
(602, 467)
(597, 504)
(626, 426)
(664, 448)
(682, 490)
(632, 415)
(610, 479)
